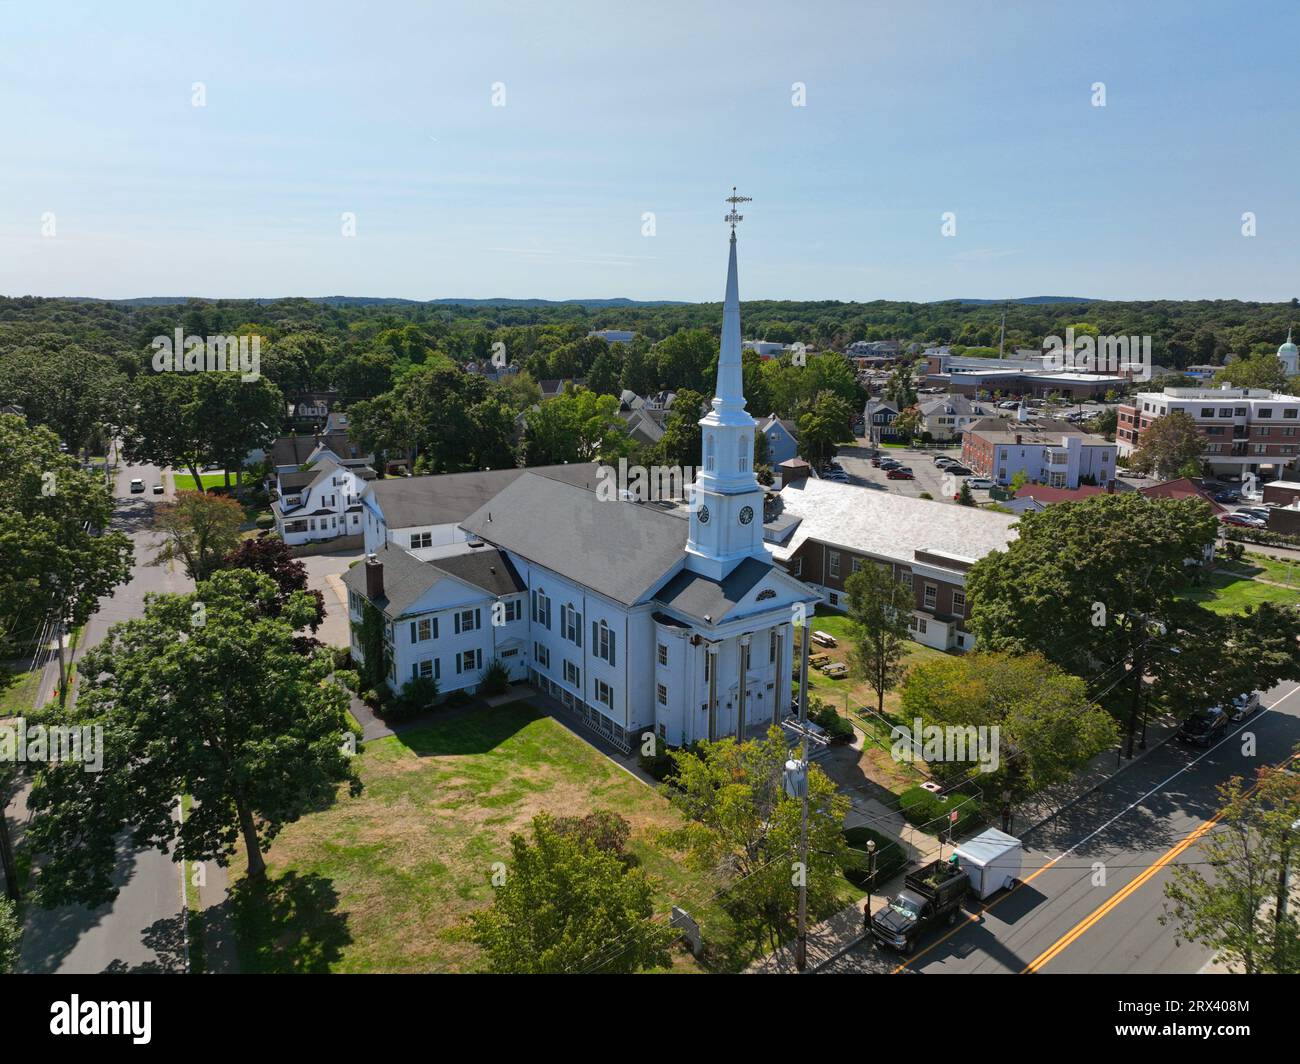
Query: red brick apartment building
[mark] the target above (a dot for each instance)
(829, 530)
(1246, 430)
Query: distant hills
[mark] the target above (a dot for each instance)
(371, 301)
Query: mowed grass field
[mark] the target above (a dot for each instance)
(1236, 585)
(185, 482)
(383, 882)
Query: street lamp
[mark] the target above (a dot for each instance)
(871, 880)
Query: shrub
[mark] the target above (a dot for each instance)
(496, 678)
(891, 858)
(349, 678)
(824, 716)
(930, 812)
(265, 521)
(659, 764)
(417, 696)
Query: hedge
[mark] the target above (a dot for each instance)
(891, 858)
(930, 812)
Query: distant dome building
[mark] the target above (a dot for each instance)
(1289, 355)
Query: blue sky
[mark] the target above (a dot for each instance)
(384, 109)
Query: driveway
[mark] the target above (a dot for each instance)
(324, 574)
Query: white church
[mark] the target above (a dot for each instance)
(638, 616)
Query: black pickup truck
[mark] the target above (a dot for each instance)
(930, 894)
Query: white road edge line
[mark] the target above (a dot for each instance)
(1138, 801)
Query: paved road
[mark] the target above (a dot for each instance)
(1093, 883)
(142, 930)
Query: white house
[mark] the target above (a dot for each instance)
(641, 616)
(423, 514)
(946, 417)
(290, 453)
(320, 503)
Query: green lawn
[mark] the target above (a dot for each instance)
(1225, 593)
(18, 690)
(185, 482)
(383, 882)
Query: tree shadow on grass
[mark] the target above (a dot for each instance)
(475, 732)
(290, 924)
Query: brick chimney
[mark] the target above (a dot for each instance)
(374, 578)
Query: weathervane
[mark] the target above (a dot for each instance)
(735, 201)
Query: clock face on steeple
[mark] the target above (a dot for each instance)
(704, 515)
(746, 515)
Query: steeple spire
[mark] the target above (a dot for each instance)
(730, 385)
(727, 516)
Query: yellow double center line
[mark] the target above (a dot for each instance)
(1117, 899)
(1064, 942)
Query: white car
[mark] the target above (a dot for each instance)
(979, 483)
(137, 486)
(1244, 706)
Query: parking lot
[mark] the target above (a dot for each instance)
(856, 462)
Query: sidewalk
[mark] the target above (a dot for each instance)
(834, 936)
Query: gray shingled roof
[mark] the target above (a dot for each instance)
(407, 578)
(618, 549)
(705, 599)
(484, 567)
(446, 498)
(294, 450)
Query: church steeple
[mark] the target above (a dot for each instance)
(727, 515)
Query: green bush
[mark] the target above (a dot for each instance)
(265, 521)
(496, 678)
(891, 858)
(349, 678)
(824, 716)
(418, 695)
(930, 812)
(659, 764)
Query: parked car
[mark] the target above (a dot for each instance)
(1243, 520)
(876, 461)
(1245, 705)
(1227, 495)
(1204, 727)
(137, 486)
(958, 470)
(942, 460)
(979, 483)
(899, 474)
(1261, 512)
(931, 894)
(157, 489)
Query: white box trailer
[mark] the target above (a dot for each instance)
(992, 860)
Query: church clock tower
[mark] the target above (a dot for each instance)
(727, 499)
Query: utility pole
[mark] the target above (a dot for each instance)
(797, 777)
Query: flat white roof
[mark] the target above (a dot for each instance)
(891, 526)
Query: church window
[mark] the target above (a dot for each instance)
(743, 456)
(708, 452)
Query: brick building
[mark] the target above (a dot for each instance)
(1246, 430)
